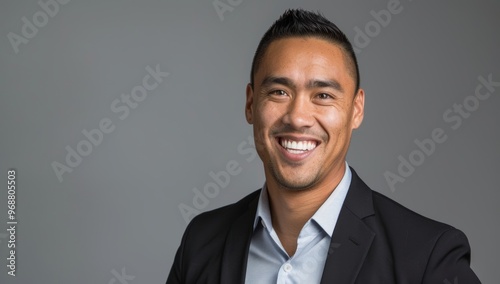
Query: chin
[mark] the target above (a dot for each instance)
(291, 184)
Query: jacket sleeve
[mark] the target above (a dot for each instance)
(176, 272)
(449, 262)
(174, 276)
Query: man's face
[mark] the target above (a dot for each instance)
(303, 107)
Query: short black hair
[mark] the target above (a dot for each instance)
(302, 23)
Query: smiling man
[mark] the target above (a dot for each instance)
(314, 220)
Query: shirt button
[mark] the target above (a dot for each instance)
(287, 267)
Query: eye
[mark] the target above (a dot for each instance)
(324, 96)
(325, 99)
(278, 93)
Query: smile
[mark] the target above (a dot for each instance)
(297, 147)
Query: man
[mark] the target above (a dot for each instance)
(314, 220)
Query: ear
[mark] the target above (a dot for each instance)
(358, 108)
(249, 104)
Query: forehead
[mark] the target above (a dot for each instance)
(303, 59)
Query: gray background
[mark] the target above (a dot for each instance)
(119, 210)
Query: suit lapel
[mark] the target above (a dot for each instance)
(234, 258)
(351, 238)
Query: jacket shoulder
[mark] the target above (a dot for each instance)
(211, 227)
(423, 248)
(387, 214)
(392, 212)
(199, 257)
(225, 215)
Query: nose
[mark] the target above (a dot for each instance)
(299, 113)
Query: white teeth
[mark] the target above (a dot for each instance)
(297, 147)
(301, 144)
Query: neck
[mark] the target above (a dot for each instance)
(291, 209)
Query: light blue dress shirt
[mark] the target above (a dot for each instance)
(268, 261)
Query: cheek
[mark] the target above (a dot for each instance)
(260, 142)
(268, 115)
(261, 128)
(331, 120)
(267, 118)
(335, 123)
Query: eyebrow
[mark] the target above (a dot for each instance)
(270, 80)
(334, 84)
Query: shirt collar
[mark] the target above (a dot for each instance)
(263, 211)
(326, 216)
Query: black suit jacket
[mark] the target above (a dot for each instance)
(376, 240)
